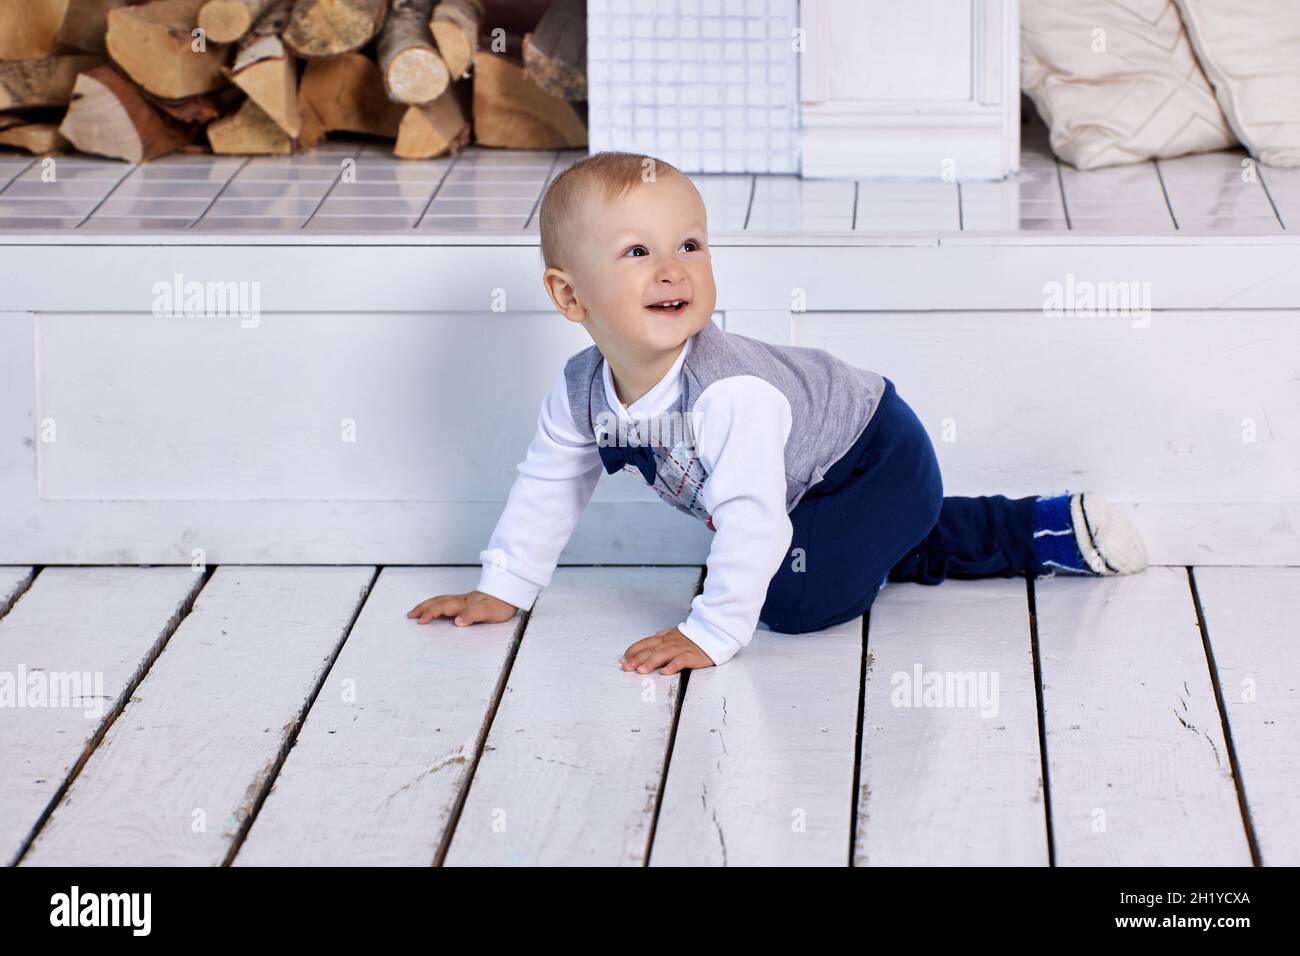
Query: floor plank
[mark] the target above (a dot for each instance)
(762, 763)
(951, 778)
(180, 771)
(106, 624)
(1218, 192)
(1138, 768)
(1252, 616)
(386, 750)
(13, 582)
(1119, 199)
(574, 762)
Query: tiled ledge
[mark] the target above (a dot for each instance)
(360, 191)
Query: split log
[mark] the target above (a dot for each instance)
(33, 83)
(511, 110)
(228, 20)
(412, 69)
(198, 109)
(152, 43)
(28, 28)
(249, 131)
(331, 27)
(345, 93)
(555, 54)
(266, 71)
(84, 25)
(109, 117)
(455, 26)
(432, 129)
(38, 138)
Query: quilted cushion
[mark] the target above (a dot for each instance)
(1250, 50)
(1116, 81)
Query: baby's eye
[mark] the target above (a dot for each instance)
(635, 248)
(691, 242)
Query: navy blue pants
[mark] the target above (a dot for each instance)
(879, 513)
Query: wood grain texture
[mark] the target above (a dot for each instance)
(94, 631)
(42, 83)
(1138, 767)
(762, 765)
(324, 28)
(387, 748)
(181, 771)
(1252, 616)
(153, 44)
(573, 764)
(951, 771)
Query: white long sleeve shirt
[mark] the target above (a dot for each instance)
(742, 424)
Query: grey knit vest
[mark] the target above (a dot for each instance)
(831, 402)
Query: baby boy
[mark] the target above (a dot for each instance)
(819, 482)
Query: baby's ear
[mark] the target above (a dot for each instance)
(559, 286)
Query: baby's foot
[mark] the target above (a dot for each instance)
(1085, 534)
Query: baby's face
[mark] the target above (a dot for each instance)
(646, 247)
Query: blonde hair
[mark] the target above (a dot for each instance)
(611, 171)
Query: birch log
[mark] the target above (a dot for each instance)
(84, 25)
(435, 128)
(109, 116)
(26, 84)
(321, 28)
(37, 138)
(412, 69)
(266, 71)
(153, 44)
(511, 110)
(228, 20)
(345, 93)
(455, 27)
(555, 54)
(28, 27)
(250, 131)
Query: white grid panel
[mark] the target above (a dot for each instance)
(709, 86)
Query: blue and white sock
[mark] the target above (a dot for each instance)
(1084, 534)
(1054, 535)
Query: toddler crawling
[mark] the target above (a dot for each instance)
(818, 480)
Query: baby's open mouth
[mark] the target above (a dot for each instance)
(671, 306)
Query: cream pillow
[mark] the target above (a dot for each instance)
(1116, 81)
(1250, 50)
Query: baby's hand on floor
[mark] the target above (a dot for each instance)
(669, 646)
(473, 607)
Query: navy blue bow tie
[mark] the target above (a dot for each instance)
(616, 457)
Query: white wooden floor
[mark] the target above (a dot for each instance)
(359, 187)
(294, 715)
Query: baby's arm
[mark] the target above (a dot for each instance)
(556, 480)
(742, 424)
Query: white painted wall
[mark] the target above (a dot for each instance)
(177, 434)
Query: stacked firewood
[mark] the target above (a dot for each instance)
(137, 79)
